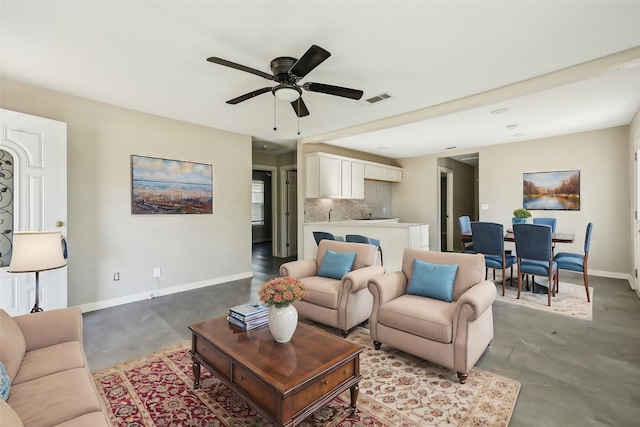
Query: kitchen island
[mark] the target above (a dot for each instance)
(394, 236)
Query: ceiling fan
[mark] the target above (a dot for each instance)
(288, 72)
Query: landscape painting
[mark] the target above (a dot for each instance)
(551, 190)
(162, 186)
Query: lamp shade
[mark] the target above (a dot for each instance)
(36, 251)
(286, 93)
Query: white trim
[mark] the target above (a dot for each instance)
(282, 249)
(275, 226)
(97, 305)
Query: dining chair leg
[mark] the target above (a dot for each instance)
(519, 280)
(550, 289)
(504, 281)
(586, 284)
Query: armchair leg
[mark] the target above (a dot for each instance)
(377, 344)
(462, 376)
(345, 334)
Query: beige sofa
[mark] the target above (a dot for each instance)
(51, 384)
(452, 334)
(340, 303)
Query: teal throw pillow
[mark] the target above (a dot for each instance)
(5, 383)
(336, 264)
(433, 280)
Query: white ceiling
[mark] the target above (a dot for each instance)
(446, 65)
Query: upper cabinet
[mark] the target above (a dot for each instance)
(337, 177)
(382, 172)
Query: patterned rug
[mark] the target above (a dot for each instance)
(571, 300)
(396, 390)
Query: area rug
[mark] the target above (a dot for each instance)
(570, 301)
(396, 390)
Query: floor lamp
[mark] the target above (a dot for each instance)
(36, 251)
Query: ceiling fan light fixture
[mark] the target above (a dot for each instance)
(286, 93)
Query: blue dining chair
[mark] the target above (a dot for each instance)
(320, 235)
(547, 221)
(488, 239)
(465, 227)
(577, 262)
(358, 238)
(533, 249)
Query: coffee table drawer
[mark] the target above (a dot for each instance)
(213, 356)
(323, 385)
(255, 388)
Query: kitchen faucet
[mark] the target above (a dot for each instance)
(330, 214)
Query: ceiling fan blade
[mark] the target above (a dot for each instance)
(249, 95)
(333, 90)
(313, 57)
(300, 108)
(230, 64)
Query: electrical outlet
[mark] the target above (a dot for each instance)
(156, 272)
(116, 277)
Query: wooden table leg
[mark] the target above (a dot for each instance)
(196, 374)
(355, 391)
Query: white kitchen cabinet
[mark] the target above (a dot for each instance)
(380, 172)
(334, 177)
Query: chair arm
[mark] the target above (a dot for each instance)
(387, 287)
(357, 279)
(480, 297)
(48, 328)
(299, 269)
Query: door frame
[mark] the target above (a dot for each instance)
(636, 217)
(283, 208)
(274, 198)
(449, 208)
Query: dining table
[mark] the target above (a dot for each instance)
(509, 237)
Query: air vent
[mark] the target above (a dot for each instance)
(378, 98)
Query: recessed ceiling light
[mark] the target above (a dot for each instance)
(264, 147)
(382, 148)
(500, 111)
(513, 126)
(519, 134)
(451, 148)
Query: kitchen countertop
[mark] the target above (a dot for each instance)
(390, 223)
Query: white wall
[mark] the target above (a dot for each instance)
(603, 160)
(104, 237)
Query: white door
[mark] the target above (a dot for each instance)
(33, 197)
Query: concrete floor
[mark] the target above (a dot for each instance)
(573, 372)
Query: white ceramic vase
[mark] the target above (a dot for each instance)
(283, 322)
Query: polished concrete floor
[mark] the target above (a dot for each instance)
(573, 372)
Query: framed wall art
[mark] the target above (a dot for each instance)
(164, 186)
(556, 191)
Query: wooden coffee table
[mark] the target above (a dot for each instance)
(284, 383)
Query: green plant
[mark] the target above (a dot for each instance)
(521, 213)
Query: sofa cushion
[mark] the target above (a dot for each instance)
(49, 360)
(55, 398)
(322, 291)
(5, 383)
(12, 344)
(8, 416)
(336, 264)
(424, 317)
(432, 280)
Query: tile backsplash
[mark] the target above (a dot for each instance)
(377, 202)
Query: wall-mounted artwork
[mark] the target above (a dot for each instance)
(551, 190)
(162, 186)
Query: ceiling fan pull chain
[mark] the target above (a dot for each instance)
(274, 114)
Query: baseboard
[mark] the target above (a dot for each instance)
(98, 305)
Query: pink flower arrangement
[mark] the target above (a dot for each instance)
(281, 291)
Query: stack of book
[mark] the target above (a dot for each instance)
(249, 316)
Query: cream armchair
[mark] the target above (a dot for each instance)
(452, 334)
(341, 303)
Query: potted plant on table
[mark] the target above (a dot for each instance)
(279, 293)
(521, 216)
